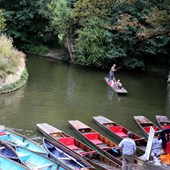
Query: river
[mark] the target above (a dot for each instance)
(57, 92)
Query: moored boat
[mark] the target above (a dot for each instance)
(16, 139)
(8, 164)
(163, 121)
(36, 161)
(65, 157)
(92, 156)
(118, 131)
(144, 124)
(97, 140)
(8, 152)
(114, 87)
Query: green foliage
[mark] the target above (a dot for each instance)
(2, 21)
(36, 49)
(59, 17)
(9, 57)
(88, 8)
(91, 43)
(26, 21)
(141, 29)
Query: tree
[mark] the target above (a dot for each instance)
(60, 18)
(141, 28)
(26, 21)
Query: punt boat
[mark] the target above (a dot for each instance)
(8, 164)
(97, 140)
(115, 88)
(16, 139)
(120, 132)
(8, 152)
(36, 161)
(163, 122)
(65, 157)
(92, 156)
(144, 124)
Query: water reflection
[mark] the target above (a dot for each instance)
(112, 95)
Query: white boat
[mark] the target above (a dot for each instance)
(115, 88)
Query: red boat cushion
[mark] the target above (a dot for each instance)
(166, 127)
(147, 129)
(68, 141)
(2, 133)
(118, 130)
(93, 137)
(167, 150)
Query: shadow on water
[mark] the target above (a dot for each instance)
(57, 92)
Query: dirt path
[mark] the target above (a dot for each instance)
(55, 53)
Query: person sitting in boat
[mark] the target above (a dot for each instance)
(112, 82)
(118, 84)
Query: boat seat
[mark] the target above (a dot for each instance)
(93, 137)
(69, 142)
(147, 128)
(43, 166)
(118, 130)
(166, 127)
(3, 133)
(167, 150)
(2, 147)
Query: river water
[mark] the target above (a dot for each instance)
(57, 92)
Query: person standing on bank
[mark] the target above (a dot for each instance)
(128, 148)
(111, 73)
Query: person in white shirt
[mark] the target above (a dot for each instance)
(156, 146)
(128, 148)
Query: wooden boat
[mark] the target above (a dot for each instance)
(65, 157)
(119, 131)
(8, 152)
(92, 156)
(96, 140)
(34, 160)
(7, 164)
(16, 139)
(163, 122)
(115, 88)
(145, 124)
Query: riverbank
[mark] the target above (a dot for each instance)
(15, 80)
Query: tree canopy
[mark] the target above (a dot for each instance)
(133, 33)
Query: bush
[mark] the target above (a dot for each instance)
(9, 57)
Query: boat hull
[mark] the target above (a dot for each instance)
(36, 161)
(92, 156)
(120, 132)
(116, 89)
(97, 141)
(65, 157)
(144, 124)
(16, 139)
